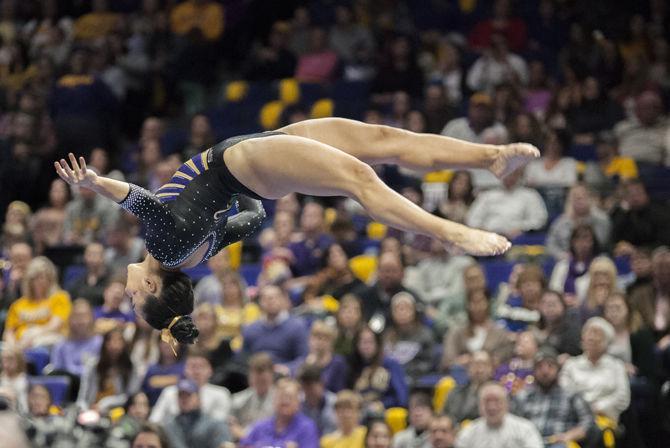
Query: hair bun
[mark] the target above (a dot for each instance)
(184, 330)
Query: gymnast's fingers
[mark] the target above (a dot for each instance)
(68, 170)
(82, 162)
(61, 172)
(75, 165)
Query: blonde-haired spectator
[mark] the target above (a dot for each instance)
(13, 375)
(602, 281)
(37, 318)
(349, 434)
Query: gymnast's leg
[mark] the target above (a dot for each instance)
(376, 144)
(280, 164)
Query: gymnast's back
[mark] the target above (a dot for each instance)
(195, 207)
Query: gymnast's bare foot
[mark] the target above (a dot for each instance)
(512, 156)
(478, 242)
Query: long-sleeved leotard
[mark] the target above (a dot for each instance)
(195, 208)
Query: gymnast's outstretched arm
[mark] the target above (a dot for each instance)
(80, 176)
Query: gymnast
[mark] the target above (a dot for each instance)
(188, 220)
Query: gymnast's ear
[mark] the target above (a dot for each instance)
(151, 283)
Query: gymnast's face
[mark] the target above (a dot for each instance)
(141, 282)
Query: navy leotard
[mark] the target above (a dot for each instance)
(194, 208)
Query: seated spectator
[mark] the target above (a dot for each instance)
(272, 60)
(349, 319)
(335, 278)
(255, 402)
(462, 402)
(165, 373)
(511, 210)
(320, 63)
(287, 426)
(150, 435)
(111, 313)
(277, 333)
(108, 380)
(568, 274)
(313, 241)
(521, 308)
(420, 416)
(593, 113)
(349, 433)
(275, 240)
(458, 197)
(442, 432)
(448, 77)
(496, 426)
(637, 221)
(480, 118)
(580, 208)
(379, 379)
(39, 403)
(451, 313)
(558, 327)
(496, 66)
(88, 218)
(602, 281)
(38, 317)
(640, 275)
(397, 70)
(20, 255)
(210, 288)
(136, 414)
(192, 427)
(479, 333)
(602, 174)
(215, 401)
(200, 138)
(211, 339)
(14, 376)
(123, 246)
(347, 36)
(318, 402)
(651, 300)
(48, 221)
(642, 137)
(407, 339)
(333, 366)
(501, 21)
(600, 378)
(91, 283)
(234, 309)
(518, 371)
(82, 344)
(561, 416)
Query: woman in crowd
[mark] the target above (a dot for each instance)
(349, 320)
(602, 281)
(166, 372)
(48, 221)
(517, 373)
(136, 414)
(568, 272)
(13, 374)
(558, 326)
(235, 311)
(336, 278)
(349, 434)
(458, 197)
(521, 308)
(212, 339)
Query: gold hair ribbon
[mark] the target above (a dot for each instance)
(168, 338)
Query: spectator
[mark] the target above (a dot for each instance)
(420, 415)
(560, 415)
(527, 128)
(580, 208)
(39, 402)
(642, 137)
(496, 426)
(480, 118)
(558, 327)
(201, 137)
(553, 169)
(150, 436)
(349, 433)
(198, 20)
(122, 245)
(479, 333)
(640, 277)
(408, 341)
(602, 174)
(378, 434)
(165, 373)
(348, 37)
(210, 288)
(451, 313)
(74, 353)
(88, 218)
(568, 274)
(336, 277)
(318, 402)
(97, 24)
(442, 432)
(90, 285)
(136, 415)
(215, 401)
(600, 378)
(255, 402)
(497, 66)
(511, 210)
(448, 73)
(594, 113)
(515, 374)
(379, 379)
(320, 63)
(651, 299)
(637, 221)
(602, 281)
(458, 198)
(273, 60)
(333, 367)
(287, 426)
(108, 380)
(538, 94)
(49, 220)
(437, 108)
(20, 255)
(307, 252)
(192, 427)
(349, 320)
(14, 376)
(278, 333)
(462, 403)
(521, 309)
(37, 318)
(397, 70)
(502, 21)
(115, 310)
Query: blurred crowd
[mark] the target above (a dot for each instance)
(326, 329)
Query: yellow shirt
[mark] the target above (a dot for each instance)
(26, 313)
(207, 18)
(95, 25)
(336, 440)
(624, 167)
(231, 320)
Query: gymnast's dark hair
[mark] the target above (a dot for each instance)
(175, 299)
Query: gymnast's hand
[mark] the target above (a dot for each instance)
(77, 174)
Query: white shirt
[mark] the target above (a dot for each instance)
(503, 211)
(460, 128)
(563, 174)
(515, 432)
(215, 402)
(603, 385)
(644, 144)
(438, 278)
(487, 73)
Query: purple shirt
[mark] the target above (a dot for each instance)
(71, 355)
(301, 431)
(308, 254)
(100, 313)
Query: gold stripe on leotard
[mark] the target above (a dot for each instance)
(173, 186)
(203, 157)
(192, 166)
(184, 175)
(162, 195)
